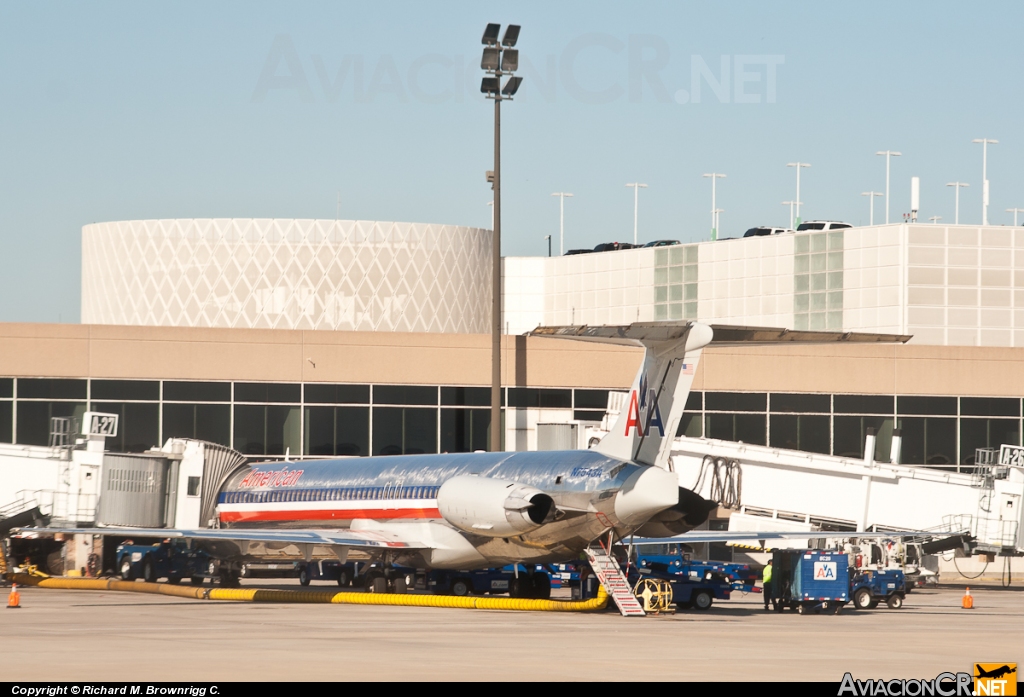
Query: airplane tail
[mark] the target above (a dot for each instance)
(645, 429)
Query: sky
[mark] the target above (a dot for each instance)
(372, 111)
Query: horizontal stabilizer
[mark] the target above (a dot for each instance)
(646, 333)
(646, 428)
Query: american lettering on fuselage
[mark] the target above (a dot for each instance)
(474, 510)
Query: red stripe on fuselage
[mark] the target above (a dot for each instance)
(328, 514)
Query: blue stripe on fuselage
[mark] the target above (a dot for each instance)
(562, 471)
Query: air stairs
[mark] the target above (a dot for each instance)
(615, 583)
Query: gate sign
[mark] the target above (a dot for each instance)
(824, 571)
(1011, 456)
(99, 424)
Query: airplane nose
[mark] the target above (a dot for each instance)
(647, 492)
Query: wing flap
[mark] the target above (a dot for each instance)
(363, 539)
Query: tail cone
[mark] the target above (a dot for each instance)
(968, 603)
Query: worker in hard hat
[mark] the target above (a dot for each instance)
(766, 584)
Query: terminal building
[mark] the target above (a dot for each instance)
(284, 339)
(317, 338)
(344, 338)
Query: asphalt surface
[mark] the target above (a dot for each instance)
(112, 636)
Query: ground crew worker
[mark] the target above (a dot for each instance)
(766, 584)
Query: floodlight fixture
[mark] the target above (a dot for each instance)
(509, 60)
(511, 35)
(491, 34)
(511, 86)
(984, 175)
(489, 85)
(500, 61)
(888, 155)
(491, 59)
(957, 186)
(797, 202)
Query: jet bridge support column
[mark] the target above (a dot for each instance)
(869, 463)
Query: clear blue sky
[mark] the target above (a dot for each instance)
(116, 111)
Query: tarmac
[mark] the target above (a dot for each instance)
(106, 636)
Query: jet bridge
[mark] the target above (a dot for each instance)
(775, 489)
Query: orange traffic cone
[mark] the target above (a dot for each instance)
(968, 603)
(14, 599)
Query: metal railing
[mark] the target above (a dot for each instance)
(60, 506)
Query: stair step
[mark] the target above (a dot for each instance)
(615, 583)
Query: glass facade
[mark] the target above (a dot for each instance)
(675, 282)
(271, 420)
(938, 431)
(275, 419)
(818, 281)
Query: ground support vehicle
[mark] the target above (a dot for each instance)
(170, 559)
(809, 580)
(869, 587)
(375, 578)
(535, 582)
(697, 592)
(739, 577)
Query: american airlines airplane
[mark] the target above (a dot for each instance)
(478, 510)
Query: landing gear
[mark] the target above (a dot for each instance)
(304, 575)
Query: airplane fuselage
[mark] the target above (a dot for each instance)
(382, 492)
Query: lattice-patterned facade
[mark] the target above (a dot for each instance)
(288, 274)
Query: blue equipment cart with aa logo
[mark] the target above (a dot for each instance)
(809, 580)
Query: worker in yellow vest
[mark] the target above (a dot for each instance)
(766, 584)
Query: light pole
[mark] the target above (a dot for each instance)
(984, 176)
(790, 204)
(958, 185)
(714, 214)
(798, 165)
(871, 200)
(935, 219)
(548, 238)
(561, 221)
(636, 203)
(1015, 211)
(499, 60)
(888, 154)
(714, 207)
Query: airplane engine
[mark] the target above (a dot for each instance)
(691, 511)
(493, 507)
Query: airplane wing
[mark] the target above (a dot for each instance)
(361, 539)
(701, 536)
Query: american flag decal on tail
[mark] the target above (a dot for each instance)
(687, 368)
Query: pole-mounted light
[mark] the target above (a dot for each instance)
(499, 61)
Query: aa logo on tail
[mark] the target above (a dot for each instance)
(643, 410)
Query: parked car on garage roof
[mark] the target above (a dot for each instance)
(821, 225)
(764, 231)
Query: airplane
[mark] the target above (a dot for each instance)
(489, 509)
(995, 673)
